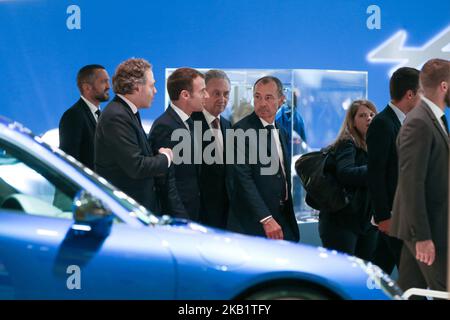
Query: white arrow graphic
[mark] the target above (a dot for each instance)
(394, 51)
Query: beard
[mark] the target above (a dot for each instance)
(102, 97)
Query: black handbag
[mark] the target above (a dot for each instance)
(317, 174)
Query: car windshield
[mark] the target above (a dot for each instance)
(134, 208)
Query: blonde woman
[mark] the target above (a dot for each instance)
(349, 230)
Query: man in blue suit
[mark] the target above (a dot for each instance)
(383, 160)
(262, 201)
(187, 92)
(215, 178)
(122, 153)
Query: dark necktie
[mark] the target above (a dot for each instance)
(98, 112)
(215, 123)
(444, 119)
(138, 117)
(190, 124)
(270, 136)
(215, 126)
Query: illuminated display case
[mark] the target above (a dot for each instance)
(314, 109)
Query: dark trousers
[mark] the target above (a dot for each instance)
(337, 237)
(387, 252)
(415, 274)
(284, 221)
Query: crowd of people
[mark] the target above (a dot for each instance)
(394, 164)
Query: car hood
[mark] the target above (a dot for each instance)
(230, 252)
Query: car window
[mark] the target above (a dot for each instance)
(29, 188)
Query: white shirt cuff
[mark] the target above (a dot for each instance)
(265, 219)
(169, 161)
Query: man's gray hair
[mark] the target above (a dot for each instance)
(215, 74)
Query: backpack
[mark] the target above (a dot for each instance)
(317, 174)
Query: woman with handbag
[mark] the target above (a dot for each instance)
(350, 230)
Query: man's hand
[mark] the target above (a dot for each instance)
(166, 151)
(425, 252)
(273, 229)
(384, 226)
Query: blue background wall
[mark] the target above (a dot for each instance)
(40, 56)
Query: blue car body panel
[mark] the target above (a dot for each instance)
(177, 260)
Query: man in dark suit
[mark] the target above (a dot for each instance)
(215, 176)
(383, 162)
(122, 153)
(261, 200)
(77, 125)
(420, 214)
(187, 92)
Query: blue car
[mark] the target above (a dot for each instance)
(66, 233)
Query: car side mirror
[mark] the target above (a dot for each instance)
(89, 212)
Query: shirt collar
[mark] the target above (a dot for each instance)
(180, 112)
(129, 103)
(399, 113)
(91, 106)
(265, 123)
(436, 110)
(209, 117)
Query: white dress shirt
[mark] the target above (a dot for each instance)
(399, 113)
(92, 107)
(277, 142)
(184, 117)
(132, 106)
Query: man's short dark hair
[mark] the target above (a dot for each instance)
(434, 72)
(216, 74)
(402, 80)
(181, 79)
(87, 74)
(268, 79)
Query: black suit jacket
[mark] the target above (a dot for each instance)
(125, 158)
(76, 133)
(214, 180)
(383, 162)
(256, 196)
(186, 174)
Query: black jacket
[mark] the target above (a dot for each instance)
(214, 180)
(186, 174)
(383, 162)
(351, 172)
(124, 157)
(76, 133)
(256, 196)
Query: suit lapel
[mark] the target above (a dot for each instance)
(436, 123)
(142, 134)
(88, 113)
(284, 147)
(224, 125)
(393, 116)
(175, 117)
